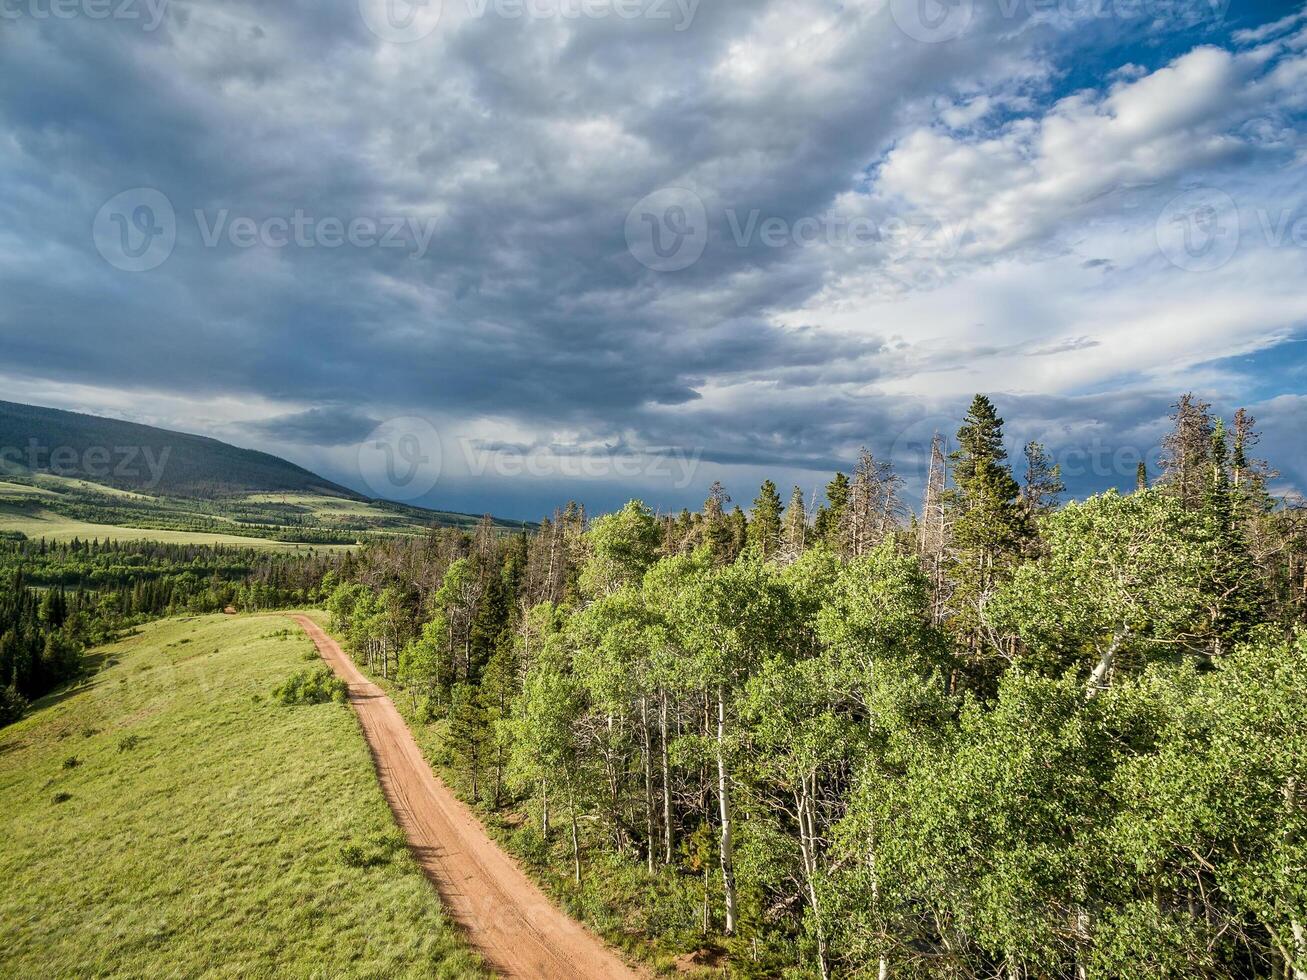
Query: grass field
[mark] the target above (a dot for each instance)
(56, 527)
(168, 818)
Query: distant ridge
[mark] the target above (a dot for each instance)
(194, 466)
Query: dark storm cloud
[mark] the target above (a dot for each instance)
(510, 153)
(335, 426)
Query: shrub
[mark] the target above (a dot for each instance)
(128, 742)
(375, 850)
(312, 687)
(72, 762)
(61, 797)
(12, 705)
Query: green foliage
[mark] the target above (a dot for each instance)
(317, 686)
(1122, 583)
(622, 546)
(1013, 739)
(765, 521)
(469, 733)
(374, 851)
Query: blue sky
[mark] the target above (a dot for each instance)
(529, 250)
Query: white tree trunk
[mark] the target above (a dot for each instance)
(804, 803)
(726, 852)
(1097, 679)
(648, 786)
(667, 786)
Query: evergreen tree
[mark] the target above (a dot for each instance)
(469, 735)
(830, 517)
(764, 530)
(989, 528)
(1235, 590)
(717, 533)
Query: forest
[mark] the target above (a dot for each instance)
(58, 599)
(983, 734)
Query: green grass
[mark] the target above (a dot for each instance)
(38, 524)
(168, 818)
(62, 508)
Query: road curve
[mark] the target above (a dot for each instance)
(507, 918)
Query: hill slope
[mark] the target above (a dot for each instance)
(65, 475)
(141, 458)
(205, 829)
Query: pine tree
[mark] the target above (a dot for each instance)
(830, 517)
(716, 532)
(990, 529)
(1141, 476)
(1235, 588)
(764, 530)
(469, 735)
(934, 526)
(738, 525)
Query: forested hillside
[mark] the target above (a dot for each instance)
(140, 457)
(997, 737)
(63, 468)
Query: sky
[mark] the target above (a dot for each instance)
(492, 255)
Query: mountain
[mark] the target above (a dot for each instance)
(65, 475)
(141, 458)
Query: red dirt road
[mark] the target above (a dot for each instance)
(507, 918)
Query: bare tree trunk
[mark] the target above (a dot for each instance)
(1099, 676)
(667, 787)
(1296, 926)
(648, 786)
(726, 852)
(544, 810)
(576, 844)
(1082, 937)
(804, 806)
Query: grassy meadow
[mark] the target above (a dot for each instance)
(169, 818)
(36, 524)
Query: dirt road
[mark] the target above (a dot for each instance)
(509, 920)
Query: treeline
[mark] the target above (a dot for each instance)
(997, 737)
(58, 598)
